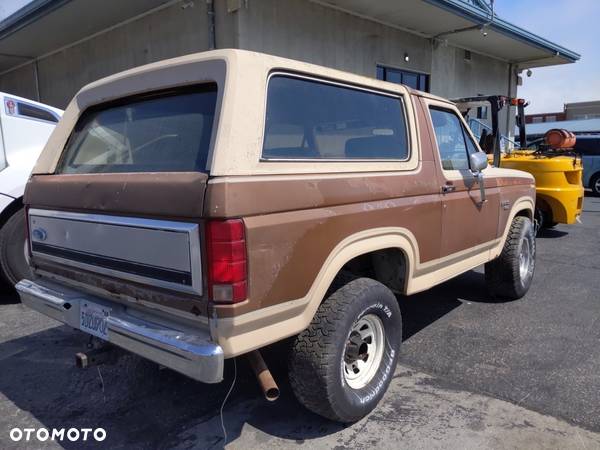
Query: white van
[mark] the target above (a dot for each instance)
(25, 126)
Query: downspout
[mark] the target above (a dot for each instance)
(212, 33)
(37, 80)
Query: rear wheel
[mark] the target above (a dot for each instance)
(510, 275)
(342, 364)
(12, 249)
(595, 184)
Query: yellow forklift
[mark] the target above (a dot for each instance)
(557, 169)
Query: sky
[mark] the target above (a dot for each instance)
(7, 7)
(573, 24)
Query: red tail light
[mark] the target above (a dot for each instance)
(226, 257)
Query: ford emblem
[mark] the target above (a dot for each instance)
(39, 234)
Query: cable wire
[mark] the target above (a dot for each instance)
(225, 401)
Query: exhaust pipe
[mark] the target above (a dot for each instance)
(263, 375)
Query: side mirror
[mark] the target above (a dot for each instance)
(479, 161)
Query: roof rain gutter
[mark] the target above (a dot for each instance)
(30, 13)
(482, 18)
(471, 28)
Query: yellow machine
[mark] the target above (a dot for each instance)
(558, 172)
(558, 181)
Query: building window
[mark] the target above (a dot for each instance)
(308, 119)
(537, 119)
(415, 80)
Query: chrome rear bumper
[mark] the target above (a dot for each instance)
(190, 352)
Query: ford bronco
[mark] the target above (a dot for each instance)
(203, 207)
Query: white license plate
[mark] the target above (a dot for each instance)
(93, 319)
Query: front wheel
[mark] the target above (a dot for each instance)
(342, 364)
(12, 249)
(510, 275)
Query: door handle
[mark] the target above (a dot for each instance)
(447, 188)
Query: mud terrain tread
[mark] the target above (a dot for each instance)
(309, 359)
(501, 274)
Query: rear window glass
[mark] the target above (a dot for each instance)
(160, 133)
(315, 120)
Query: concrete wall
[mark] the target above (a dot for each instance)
(20, 82)
(453, 76)
(166, 33)
(310, 32)
(297, 29)
(582, 110)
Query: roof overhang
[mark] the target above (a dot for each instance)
(45, 26)
(461, 24)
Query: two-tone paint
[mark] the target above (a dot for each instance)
(304, 219)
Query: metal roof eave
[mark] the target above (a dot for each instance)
(480, 17)
(29, 13)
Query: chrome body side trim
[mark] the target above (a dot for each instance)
(160, 253)
(188, 350)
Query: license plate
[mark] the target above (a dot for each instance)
(93, 319)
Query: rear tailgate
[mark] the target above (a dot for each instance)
(134, 235)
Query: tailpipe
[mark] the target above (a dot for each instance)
(263, 375)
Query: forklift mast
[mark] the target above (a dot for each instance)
(496, 103)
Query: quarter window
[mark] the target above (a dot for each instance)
(308, 119)
(454, 143)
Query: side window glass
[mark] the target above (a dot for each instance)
(308, 119)
(450, 139)
(471, 147)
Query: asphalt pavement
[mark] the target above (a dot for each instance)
(473, 374)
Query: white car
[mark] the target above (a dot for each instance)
(25, 126)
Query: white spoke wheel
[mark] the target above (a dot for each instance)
(526, 260)
(342, 364)
(364, 351)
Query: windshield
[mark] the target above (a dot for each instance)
(163, 133)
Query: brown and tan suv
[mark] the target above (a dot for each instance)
(203, 207)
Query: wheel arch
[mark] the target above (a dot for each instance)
(523, 207)
(238, 335)
(366, 244)
(593, 178)
(10, 209)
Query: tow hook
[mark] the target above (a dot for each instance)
(95, 356)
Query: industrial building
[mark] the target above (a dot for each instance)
(453, 48)
(571, 111)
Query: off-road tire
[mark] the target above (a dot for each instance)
(503, 275)
(12, 249)
(595, 185)
(317, 357)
